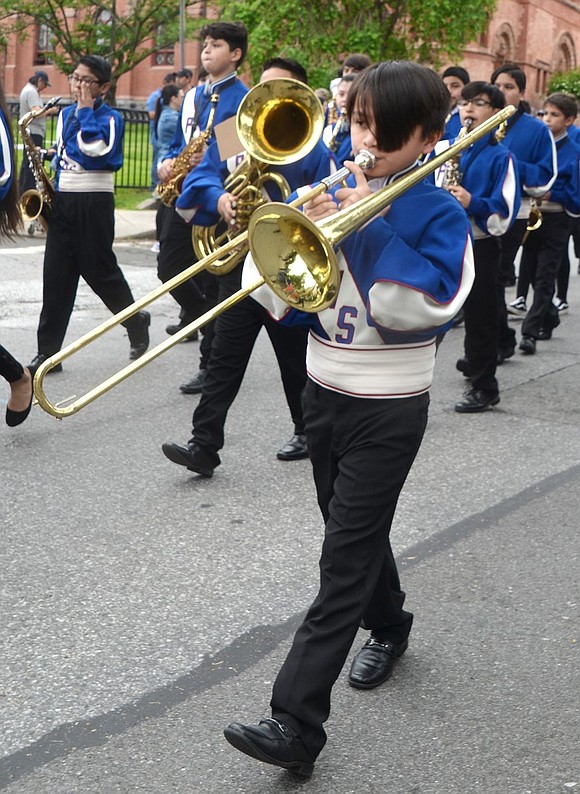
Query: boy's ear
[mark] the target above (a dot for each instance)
(237, 54)
(431, 141)
(105, 88)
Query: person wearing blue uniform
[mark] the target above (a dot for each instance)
(204, 202)
(455, 78)
(18, 377)
(81, 230)
(544, 248)
(489, 191)
(224, 47)
(563, 277)
(530, 140)
(370, 360)
(337, 136)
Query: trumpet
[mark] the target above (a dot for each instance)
(294, 256)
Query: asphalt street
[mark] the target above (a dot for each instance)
(143, 608)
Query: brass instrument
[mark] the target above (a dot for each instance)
(364, 159)
(278, 122)
(168, 191)
(338, 128)
(294, 256)
(535, 218)
(36, 203)
(452, 175)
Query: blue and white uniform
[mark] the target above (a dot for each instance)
(338, 135)
(565, 192)
(6, 164)
(89, 148)
(403, 279)
(195, 110)
(452, 125)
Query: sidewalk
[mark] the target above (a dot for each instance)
(135, 224)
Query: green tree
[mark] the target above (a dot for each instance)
(318, 34)
(566, 81)
(124, 38)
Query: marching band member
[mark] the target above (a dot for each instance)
(530, 140)
(81, 230)
(544, 248)
(455, 78)
(223, 50)
(18, 377)
(485, 182)
(204, 201)
(370, 360)
(337, 136)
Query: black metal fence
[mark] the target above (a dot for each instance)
(136, 170)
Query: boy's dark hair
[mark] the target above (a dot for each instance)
(347, 78)
(401, 95)
(290, 65)
(477, 87)
(185, 73)
(10, 217)
(99, 66)
(357, 60)
(514, 71)
(457, 71)
(169, 78)
(566, 103)
(235, 33)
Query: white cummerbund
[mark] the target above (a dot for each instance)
(375, 372)
(86, 182)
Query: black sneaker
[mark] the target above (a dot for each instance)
(139, 335)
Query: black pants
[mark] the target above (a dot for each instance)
(10, 369)
(176, 254)
(79, 243)
(510, 243)
(481, 317)
(361, 452)
(541, 257)
(26, 180)
(236, 331)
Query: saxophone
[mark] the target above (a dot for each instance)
(168, 191)
(36, 203)
(452, 175)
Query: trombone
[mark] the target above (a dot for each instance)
(294, 256)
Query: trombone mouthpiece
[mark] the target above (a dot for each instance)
(365, 159)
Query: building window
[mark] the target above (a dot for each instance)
(44, 46)
(165, 56)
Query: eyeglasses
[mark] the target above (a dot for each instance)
(479, 103)
(75, 78)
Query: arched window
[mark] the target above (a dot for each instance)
(503, 49)
(564, 55)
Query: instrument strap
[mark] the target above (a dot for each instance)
(206, 99)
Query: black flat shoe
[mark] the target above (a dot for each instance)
(195, 385)
(373, 664)
(174, 328)
(272, 742)
(475, 401)
(545, 334)
(15, 418)
(462, 365)
(39, 359)
(528, 345)
(295, 449)
(139, 335)
(198, 459)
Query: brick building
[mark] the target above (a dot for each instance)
(542, 36)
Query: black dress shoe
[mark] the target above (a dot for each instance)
(176, 327)
(474, 401)
(272, 742)
(295, 449)
(504, 353)
(39, 359)
(15, 418)
(198, 459)
(462, 365)
(545, 334)
(373, 664)
(195, 385)
(528, 345)
(139, 335)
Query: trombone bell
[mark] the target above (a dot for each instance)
(294, 257)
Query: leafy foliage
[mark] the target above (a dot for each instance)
(124, 37)
(320, 34)
(568, 82)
